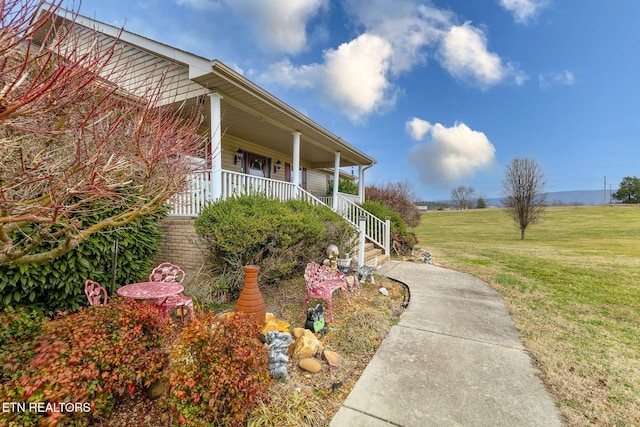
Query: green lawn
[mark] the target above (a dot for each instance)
(573, 289)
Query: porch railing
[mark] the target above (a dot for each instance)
(190, 202)
(236, 184)
(376, 230)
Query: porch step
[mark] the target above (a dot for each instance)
(371, 252)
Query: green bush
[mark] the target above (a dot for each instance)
(345, 186)
(18, 329)
(219, 370)
(381, 211)
(58, 285)
(93, 357)
(280, 237)
(399, 231)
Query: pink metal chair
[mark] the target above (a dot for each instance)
(167, 272)
(95, 293)
(321, 282)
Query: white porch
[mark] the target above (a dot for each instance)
(190, 202)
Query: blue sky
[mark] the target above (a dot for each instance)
(442, 93)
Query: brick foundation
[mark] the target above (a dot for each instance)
(180, 246)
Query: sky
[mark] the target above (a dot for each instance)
(441, 93)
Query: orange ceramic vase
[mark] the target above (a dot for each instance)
(250, 300)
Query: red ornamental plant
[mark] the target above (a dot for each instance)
(95, 356)
(219, 370)
(75, 130)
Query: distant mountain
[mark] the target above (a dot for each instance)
(579, 197)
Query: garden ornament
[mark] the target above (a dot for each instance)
(278, 343)
(315, 320)
(332, 253)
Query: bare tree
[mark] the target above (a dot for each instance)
(523, 192)
(71, 140)
(462, 196)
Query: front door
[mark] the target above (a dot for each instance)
(257, 165)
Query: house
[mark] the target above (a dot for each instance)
(257, 143)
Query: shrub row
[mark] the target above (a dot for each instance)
(218, 370)
(399, 231)
(94, 356)
(281, 237)
(58, 284)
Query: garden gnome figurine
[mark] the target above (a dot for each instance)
(278, 344)
(332, 253)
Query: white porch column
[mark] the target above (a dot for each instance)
(295, 168)
(361, 183)
(336, 180)
(216, 145)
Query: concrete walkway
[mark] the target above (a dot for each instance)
(455, 359)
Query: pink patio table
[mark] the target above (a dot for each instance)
(150, 290)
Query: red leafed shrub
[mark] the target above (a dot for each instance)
(219, 370)
(95, 356)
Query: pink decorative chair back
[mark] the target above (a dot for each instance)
(95, 293)
(321, 282)
(167, 272)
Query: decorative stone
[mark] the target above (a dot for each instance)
(225, 316)
(250, 300)
(333, 358)
(384, 291)
(273, 325)
(269, 317)
(297, 332)
(306, 346)
(310, 364)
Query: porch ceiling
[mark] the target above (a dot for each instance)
(250, 113)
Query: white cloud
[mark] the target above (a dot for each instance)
(451, 154)
(417, 128)
(410, 28)
(279, 26)
(358, 76)
(353, 77)
(465, 55)
(523, 10)
(565, 78)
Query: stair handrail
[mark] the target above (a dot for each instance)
(376, 230)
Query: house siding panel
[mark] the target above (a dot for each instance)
(317, 183)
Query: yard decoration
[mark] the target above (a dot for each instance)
(321, 281)
(278, 343)
(315, 320)
(332, 256)
(250, 300)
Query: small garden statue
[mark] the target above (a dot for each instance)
(278, 344)
(315, 320)
(332, 253)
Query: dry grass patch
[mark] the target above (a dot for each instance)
(358, 330)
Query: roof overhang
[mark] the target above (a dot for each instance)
(248, 111)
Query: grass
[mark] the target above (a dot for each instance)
(573, 289)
